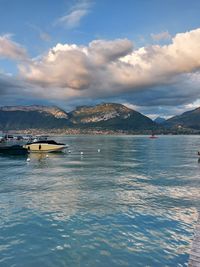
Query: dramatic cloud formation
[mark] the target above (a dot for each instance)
(106, 68)
(77, 12)
(156, 75)
(77, 67)
(10, 49)
(161, 36)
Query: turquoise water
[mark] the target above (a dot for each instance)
(132, 204)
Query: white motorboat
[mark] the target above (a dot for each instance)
(45, 146)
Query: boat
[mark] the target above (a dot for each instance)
(45, 146)
(10, 137)
(39, 138)
(153, 136)
(13, 150)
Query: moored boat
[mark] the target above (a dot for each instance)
(45, 146)
(13, 150)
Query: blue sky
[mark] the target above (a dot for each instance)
(133, 38)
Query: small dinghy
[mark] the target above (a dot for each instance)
(13, 150)
(45, 146)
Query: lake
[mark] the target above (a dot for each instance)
(131, 204)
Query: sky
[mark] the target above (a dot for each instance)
(140, 53)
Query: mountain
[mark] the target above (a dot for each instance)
(110, 116)
(51, 110)
(32, 117)
(189, 119)
(159, 120)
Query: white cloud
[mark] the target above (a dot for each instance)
(10, 49)
(75, 67)
(103, 52)
(105, 68)
(161, 36)
(73, 19)
(74, 16)
(160, 64)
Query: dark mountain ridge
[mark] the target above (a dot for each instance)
(189, 119)
(109, 116)
(103, 117)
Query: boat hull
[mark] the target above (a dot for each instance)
(40, 147)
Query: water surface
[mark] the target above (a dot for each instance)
(131, 204)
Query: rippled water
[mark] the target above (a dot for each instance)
(132, 204)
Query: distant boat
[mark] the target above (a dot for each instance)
(153, 136)
(13, 150)
(45, 146)
(9, 137)
(38, 138)
(27, 137)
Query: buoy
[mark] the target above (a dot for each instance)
(69, 151)
(47, 156)
(81, 153)
(99, 150)
(28, 159)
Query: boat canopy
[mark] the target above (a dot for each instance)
(50, 142)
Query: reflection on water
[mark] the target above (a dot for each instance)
(132, 204)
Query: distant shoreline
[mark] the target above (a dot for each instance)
(101, 132)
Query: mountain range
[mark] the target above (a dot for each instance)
(102, 117)
(189, 119)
